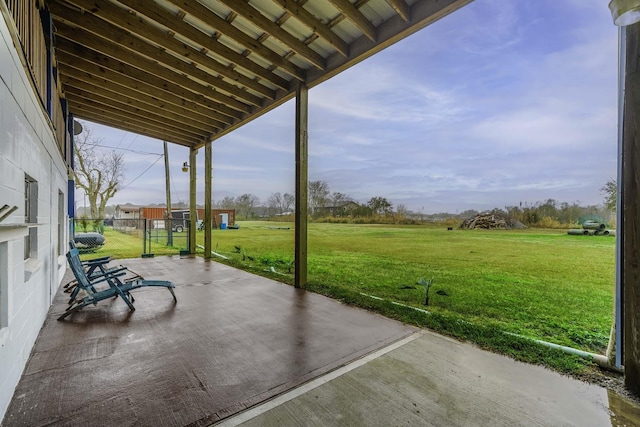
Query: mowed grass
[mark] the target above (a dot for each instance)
(130, 244)
(542, 284)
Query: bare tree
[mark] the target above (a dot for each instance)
(245, 204)
(274, 203)
(318, 195)
(227, 203)
(100, 175)
(338, 198)
(610, 193)
(288, 200)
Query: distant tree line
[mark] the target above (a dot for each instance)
(325, 205)
(335, 206)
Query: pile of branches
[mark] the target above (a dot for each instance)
(491, 221)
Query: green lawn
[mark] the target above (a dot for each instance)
(541, 284)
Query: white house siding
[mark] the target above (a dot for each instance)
(27, 145)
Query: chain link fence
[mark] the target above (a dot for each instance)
(131, 238)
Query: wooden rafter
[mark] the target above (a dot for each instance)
(153, 118)
(116, 111)
(134, 25)
(402, 8)
(82, 69)
(191, 71)
(354, 15)
(125, 123)
(159, 83)
(73, 78)
(295, 9)
(275, 31)
(226, 28)
(151, 10)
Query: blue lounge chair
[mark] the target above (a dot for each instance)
(113, 278)
(96, 267)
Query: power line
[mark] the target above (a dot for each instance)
(122, 139)
(144, 171)
(132, 141)
(173, 184)
(124, 149)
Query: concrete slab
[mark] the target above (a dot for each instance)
(233, 340)
(436, 381)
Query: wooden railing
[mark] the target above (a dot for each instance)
(27, 19)
(26, 16)
(59, 122)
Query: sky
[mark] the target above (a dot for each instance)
(500, 103)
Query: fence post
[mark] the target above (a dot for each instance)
(147, 230)
(144, 238)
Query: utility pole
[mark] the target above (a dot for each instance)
(168, 222)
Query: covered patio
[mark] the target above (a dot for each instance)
(189, 72)
(232, 340)
(240, 348)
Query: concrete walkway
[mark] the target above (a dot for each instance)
(431, 380)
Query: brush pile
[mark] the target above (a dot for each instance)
(491, 221)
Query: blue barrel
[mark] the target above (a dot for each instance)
(223, 226)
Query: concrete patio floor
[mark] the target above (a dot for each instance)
(239, 349)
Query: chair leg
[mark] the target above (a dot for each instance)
(70, 310)
(173, 294)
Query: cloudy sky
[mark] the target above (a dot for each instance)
(499, 103)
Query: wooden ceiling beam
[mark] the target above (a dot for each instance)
(355, 16)
(136, 59)
(136, 25)
(402, 8)
(92, 73)
(90, 101)
(159, 83)
(162, 16)
(155, 117)
(248, 12)
(319, 28)
(394, 29)
(74, 78)
(138, 47)
(224, 27)
(103, 115)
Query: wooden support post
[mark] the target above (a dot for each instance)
(302, 178)
(631, 211)
(208, 170)
(193, 213)
(168, 224)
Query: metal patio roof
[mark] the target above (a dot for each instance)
(190, 71)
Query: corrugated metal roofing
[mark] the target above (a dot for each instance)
(191, 71)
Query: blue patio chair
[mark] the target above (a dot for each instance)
(96, 267)
(113, 278)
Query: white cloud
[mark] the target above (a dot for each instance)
(502, 101)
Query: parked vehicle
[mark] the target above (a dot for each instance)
(181, 219)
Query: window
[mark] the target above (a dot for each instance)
(61, 224)
(30, 216)
(4, 284)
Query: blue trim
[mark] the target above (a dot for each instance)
(71, 198)
(47, 28)
(70, 131)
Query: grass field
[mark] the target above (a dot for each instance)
(541, 284)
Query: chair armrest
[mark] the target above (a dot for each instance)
(97, 261)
